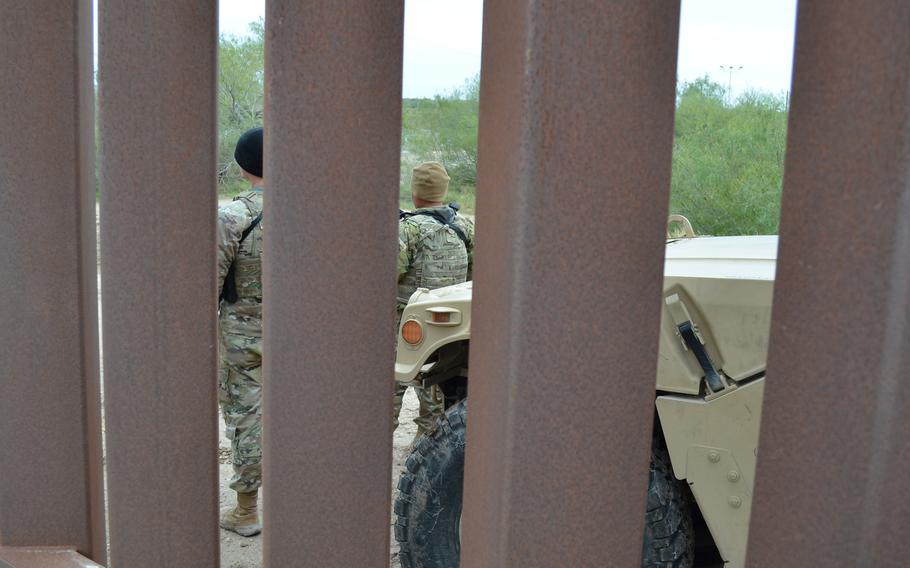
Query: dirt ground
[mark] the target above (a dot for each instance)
(241, 552)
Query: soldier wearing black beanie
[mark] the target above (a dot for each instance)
(239, 260)
(248, 152)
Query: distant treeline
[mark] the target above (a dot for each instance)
(727, 154)
(728, 159)
(443, 129)
(241, 84)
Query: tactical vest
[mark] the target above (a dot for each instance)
(248, 261)
(438, 258)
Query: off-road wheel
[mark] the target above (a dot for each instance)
(669, 532)
(430, 496)
(429, 502)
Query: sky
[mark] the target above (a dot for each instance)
(443, 38)
(756, 35)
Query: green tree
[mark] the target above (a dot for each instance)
(443, 129)
(727, 156)
(241, 79)
(728, 159)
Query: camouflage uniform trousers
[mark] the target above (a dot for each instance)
(240, 398)
(431, 406)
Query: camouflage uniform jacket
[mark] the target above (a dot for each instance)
(243, 317)
(431, 255)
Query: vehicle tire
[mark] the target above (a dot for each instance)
(428, 506)
(669, 532)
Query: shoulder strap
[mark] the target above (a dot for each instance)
(229, 286)
(246, 232)
(248, 203)
(440, 218)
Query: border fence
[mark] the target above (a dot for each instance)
(575, 141)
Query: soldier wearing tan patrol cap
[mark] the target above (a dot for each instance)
(435, 249)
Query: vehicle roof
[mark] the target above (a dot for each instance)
(733, 258)
(746, 257)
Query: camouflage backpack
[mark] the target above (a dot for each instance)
(439, 255)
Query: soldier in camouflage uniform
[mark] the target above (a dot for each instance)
(435, 249)
(240, 330)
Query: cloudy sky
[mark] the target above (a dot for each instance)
(756, 35)
(443, 38)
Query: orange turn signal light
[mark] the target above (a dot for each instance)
(412, 332)
(441, 317)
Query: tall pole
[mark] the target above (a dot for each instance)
(603, 137)
(847, 166)
(730, 69)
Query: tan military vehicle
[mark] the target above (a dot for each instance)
(714, 327)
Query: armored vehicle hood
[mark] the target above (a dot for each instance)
(723, 285)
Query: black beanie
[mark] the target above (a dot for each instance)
(248, 152)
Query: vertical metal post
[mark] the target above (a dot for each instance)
(576, 129)
(333, 72)
(835, 445)
(158, 142)
(51, 490)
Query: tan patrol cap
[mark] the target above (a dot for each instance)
(430, 182)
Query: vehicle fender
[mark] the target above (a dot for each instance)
(455, 301)
(713, 445)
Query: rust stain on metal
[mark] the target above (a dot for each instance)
(50, 492)
(576, 129)
(158, 142)
(331, 168)
(835, 445)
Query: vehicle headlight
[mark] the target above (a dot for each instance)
(412, 332)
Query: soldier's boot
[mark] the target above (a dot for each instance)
(244, 518)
